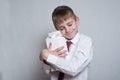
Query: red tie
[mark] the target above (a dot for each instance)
(68, 44)
(61, 75)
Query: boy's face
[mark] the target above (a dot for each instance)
(69, 27)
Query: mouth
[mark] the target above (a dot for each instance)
(68, 36)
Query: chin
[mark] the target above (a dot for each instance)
(69, 38)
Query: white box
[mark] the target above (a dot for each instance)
(57, 40)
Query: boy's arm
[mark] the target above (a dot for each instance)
(70, 67)
(46, 52)
(80, 60)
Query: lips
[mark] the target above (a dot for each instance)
(68, 36)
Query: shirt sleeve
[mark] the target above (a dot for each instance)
(79, 61)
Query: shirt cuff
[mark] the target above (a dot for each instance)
(52, 59)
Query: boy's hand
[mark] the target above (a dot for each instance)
(59, 52)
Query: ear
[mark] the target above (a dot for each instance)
(77, 21)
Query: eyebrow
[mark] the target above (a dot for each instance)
(67, 24)
(70, 22)
(59, 27)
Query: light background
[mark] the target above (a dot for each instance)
(24, 25)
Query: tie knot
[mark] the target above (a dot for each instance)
(68, 44)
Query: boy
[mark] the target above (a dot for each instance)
(80, 51)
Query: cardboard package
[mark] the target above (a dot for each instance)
(56, 39)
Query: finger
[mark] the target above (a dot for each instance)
(59, 49)
(63, 55)
(50, 46)
(64, 51)
(59, 53)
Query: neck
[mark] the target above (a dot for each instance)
(68, 39)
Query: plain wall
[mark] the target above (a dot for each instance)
(24, 25)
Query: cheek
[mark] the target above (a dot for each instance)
(73, 27)
(62, 32)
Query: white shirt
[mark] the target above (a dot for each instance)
(75, 65)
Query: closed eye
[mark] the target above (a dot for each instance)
(61, 28)
(70, 23)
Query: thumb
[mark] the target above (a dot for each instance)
(50, 46)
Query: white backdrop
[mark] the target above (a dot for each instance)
(24, 25)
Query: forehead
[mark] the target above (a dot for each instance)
(68, 20)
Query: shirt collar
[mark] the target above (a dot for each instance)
(76, 38)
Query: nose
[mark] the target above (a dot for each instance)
(66, 29)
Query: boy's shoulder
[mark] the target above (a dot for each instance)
(85, 39)
(83, 36)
